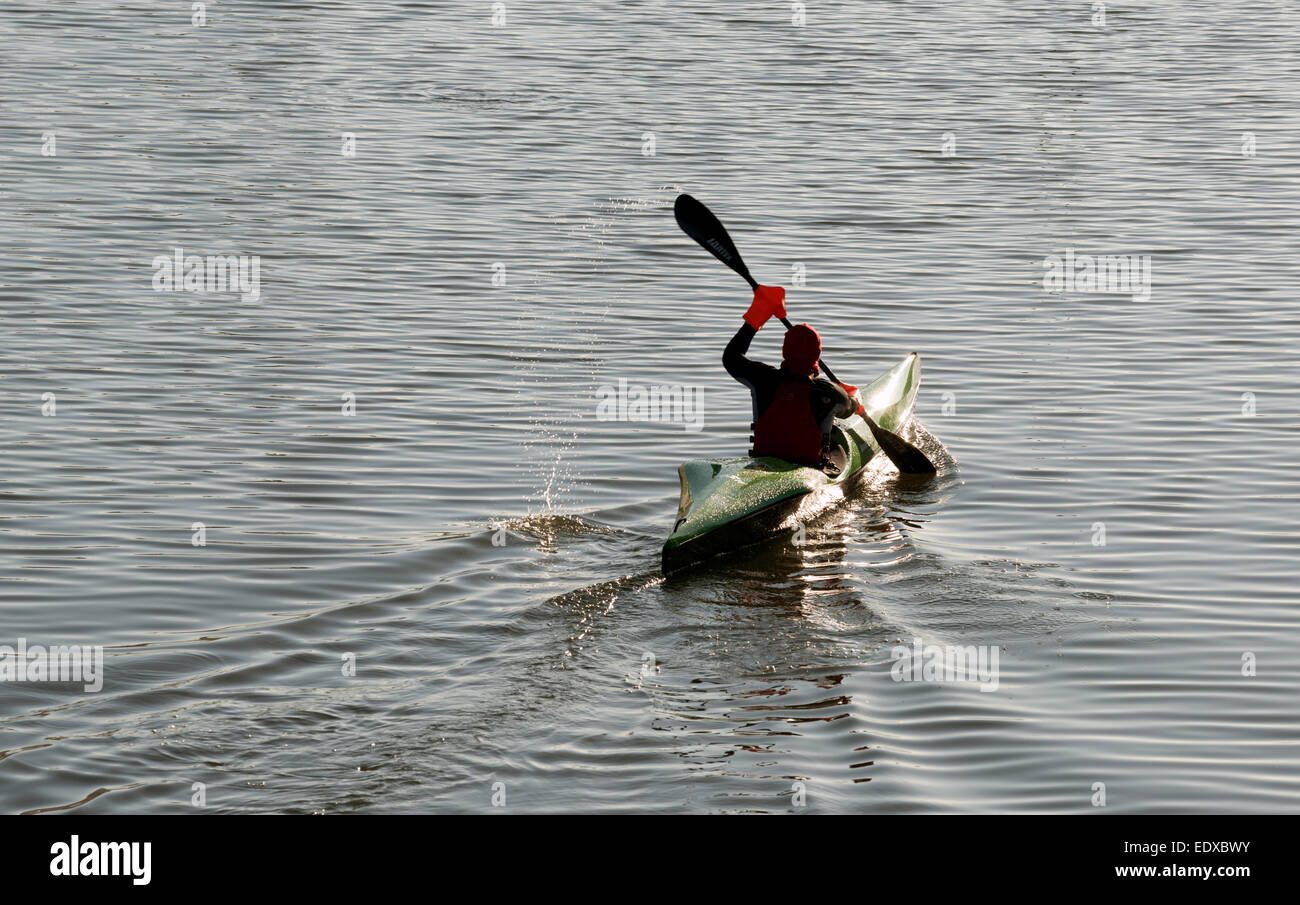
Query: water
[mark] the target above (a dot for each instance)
(562, 664)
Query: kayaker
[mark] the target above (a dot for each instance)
(794, 409)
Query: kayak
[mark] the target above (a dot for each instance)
(727, 504)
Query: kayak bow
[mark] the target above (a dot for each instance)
(727, 504)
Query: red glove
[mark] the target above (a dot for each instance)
(855, 395)
(768, 301)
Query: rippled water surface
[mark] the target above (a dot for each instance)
(1116, 512)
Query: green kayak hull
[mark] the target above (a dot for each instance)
(727, 504)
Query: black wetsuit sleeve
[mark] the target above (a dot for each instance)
(737, 365)
(755, 375)
(762, 379)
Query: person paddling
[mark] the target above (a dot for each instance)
(794, 409)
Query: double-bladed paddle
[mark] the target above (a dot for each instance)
(698, 222)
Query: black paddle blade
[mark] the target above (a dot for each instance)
(906, 457)
(698, 222)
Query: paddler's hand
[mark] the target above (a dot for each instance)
(769, 301)
(855, 397)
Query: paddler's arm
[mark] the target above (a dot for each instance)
(733, 357)
(769, 301)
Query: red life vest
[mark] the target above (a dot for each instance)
(786, 429)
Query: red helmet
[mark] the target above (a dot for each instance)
(801, 349)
